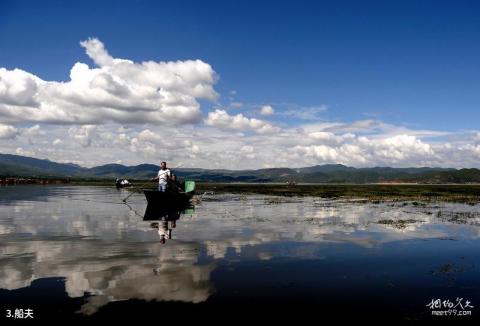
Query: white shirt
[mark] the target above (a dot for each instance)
(163, 175)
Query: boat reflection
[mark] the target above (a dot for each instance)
(165, 219)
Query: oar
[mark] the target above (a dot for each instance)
(125, 199)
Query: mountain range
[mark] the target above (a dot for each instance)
(22, 166)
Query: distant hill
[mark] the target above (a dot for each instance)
(326, 168)
(21, 166)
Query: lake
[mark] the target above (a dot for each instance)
(78, 252)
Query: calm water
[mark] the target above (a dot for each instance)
(78, 252)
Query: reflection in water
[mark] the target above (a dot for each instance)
(166, 219)
(99, 246)
(105, 250)
(109, 272)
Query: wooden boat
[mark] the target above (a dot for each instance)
(168, 198)
(171, 198)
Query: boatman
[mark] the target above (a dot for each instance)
(163, 177)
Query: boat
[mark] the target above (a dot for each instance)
(170, 198)
(167, 198)
(122, 183)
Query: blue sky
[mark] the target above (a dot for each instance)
(412, 64)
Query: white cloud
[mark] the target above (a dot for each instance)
(207, 147)
(221, 119)
(117, 90)
(329, 138)
(359, 126)
(83, 135)
(8, 132)
(33, 131)
(148, 135)
(393, 151)
(370, 127)
(23, 152)
(267, 110)
(96, 50)
(236, 105)
(306, 113)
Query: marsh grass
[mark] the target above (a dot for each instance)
(417, 194)
(398, 224)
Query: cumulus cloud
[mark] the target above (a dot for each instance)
(83, 135)
(207, 147)
(267, 110)
(367, 151)
(33, 131)
(116, 90)
(24, 152)
(329, 138)
(96, 50)
(8, 132)
(221, 119)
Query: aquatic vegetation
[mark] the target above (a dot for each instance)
(418, 195)
(278, 200)
(449, 268)
(399, 224)
(472, 218)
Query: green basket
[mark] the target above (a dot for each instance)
(189, 186)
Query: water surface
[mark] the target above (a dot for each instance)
(79, 252)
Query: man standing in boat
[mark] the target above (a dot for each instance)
(163, 177)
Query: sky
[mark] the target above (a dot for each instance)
(241, 84)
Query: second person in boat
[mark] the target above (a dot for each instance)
(174, 185)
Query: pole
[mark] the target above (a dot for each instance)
(125, 199)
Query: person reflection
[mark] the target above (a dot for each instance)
(164, 231)
(166, 221)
